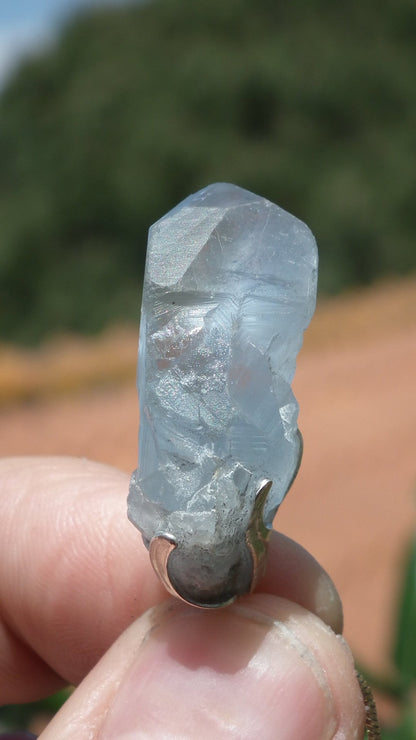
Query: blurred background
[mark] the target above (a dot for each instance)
(112, 112)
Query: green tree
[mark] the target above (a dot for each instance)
(310, 104)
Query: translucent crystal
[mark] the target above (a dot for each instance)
(229, 288)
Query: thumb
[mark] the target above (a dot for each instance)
(263, 667)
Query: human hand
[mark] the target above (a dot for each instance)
(80, 604)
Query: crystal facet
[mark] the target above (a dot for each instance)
(229, 288)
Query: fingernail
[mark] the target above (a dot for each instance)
(232, 673)
(328, 606)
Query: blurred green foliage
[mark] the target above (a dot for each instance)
(310, 104)
(20, 717)
(405, 644)
(400, 686)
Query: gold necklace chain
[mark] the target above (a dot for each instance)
(372, 724)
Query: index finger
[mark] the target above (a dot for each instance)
(74, 572)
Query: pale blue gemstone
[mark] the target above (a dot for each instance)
(229, 288)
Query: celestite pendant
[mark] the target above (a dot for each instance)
(229, 288)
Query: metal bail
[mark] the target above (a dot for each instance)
(257, 535)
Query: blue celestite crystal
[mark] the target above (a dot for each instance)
(229, 288)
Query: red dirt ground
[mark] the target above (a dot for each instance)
(353, 503)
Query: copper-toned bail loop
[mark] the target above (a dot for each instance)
(162, 545)
(160, 549)
(258, 534)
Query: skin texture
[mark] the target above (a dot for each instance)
(80, 604)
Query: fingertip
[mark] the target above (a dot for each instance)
(294, 574)
(261, 668)
(333, 655)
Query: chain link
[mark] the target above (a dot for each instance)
(372, 724)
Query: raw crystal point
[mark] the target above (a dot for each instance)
(229, 288)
